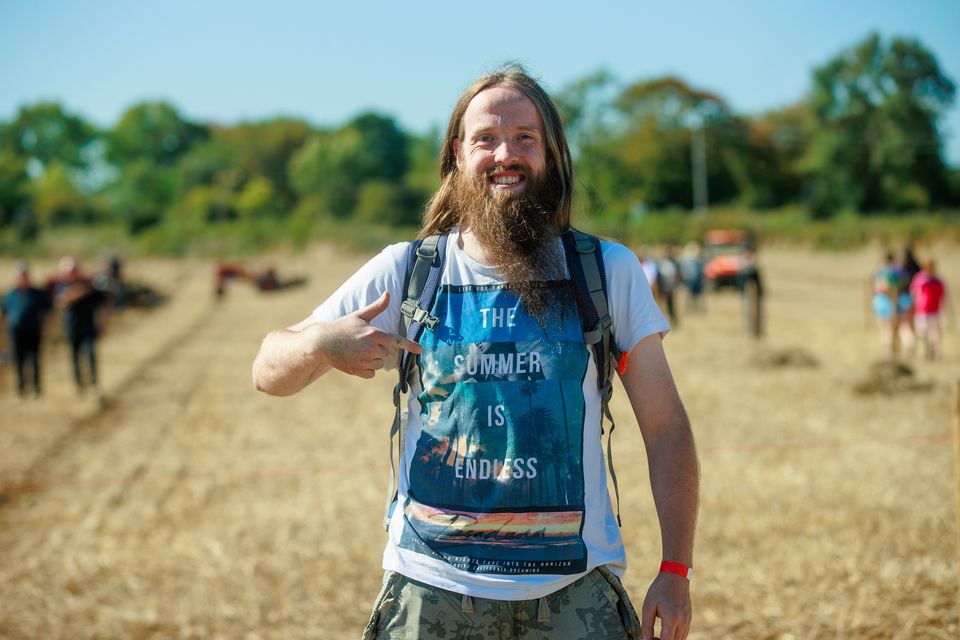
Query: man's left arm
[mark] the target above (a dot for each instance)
(674, 480)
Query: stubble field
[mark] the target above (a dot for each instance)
(182, 504)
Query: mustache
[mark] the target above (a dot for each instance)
(509, 168)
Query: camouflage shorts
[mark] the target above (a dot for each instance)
(596, 606)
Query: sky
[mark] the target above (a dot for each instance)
(230, 61)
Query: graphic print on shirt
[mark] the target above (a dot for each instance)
(496, 480)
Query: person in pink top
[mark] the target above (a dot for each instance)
(929, 295)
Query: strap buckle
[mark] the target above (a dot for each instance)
(429, 253)
(595, 335)
(583, 244)
(408, 306)
(421, 316)
(416, 313)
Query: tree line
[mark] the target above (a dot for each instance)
(864, 139)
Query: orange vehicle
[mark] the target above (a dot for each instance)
(724, 252)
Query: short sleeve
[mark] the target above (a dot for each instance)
(382, 273)
(634, 312)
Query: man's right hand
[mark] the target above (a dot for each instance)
(352, 345)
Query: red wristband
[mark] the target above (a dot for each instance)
(675, 567)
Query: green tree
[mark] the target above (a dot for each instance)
(57, 200)
(202, 205)
(423, 172)
(335, 164)
(759, 158)
(142, 195)
(17, 216)
(779, 140)
(265, 148)
(586, 107)
(212, 161)
(321, 171)
(382, 151)
(653, 148)
(388, 203)
(153, 132)
(876, 143)
(44, 133)
(259, 199)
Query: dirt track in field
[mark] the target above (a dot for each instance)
(183, 504)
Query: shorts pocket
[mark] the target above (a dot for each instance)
(610, 586)
(385, 602)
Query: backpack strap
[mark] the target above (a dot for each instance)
(585, 263)
(425, 260)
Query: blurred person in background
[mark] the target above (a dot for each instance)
(85, 310)
(929, 294)
(529, 548)
(669, 279)
(691, 267)
(885, 289)
(24, 307)
(906, 331)
(650, 269)
(751, 292)
(112, 282)
(909, 263)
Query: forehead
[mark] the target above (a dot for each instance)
(501, 106)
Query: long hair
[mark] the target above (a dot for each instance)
(440, 217)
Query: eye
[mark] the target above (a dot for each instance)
(484, 138)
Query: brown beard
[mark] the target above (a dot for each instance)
(517, 231)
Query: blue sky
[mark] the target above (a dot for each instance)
(223, 61)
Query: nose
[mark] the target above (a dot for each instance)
(505, 153)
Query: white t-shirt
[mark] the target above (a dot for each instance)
(502, 490)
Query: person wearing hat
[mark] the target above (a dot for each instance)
(23, 307)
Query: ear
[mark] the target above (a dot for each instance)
(458, 153)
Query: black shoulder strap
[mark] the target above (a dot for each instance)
(585, 263)
(425, 260)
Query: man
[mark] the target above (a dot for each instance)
(24, 307)
(503, 526)
(650, 269)
(81, 303)
(692, 269)
(669, 278)
(751, 291)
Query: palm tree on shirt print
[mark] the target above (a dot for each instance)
(535, 429)
(542, 422)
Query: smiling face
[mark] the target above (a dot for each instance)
(502, 138)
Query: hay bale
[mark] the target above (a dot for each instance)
(891, 377)
(785, 358)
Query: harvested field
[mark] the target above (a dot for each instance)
(182, 504)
